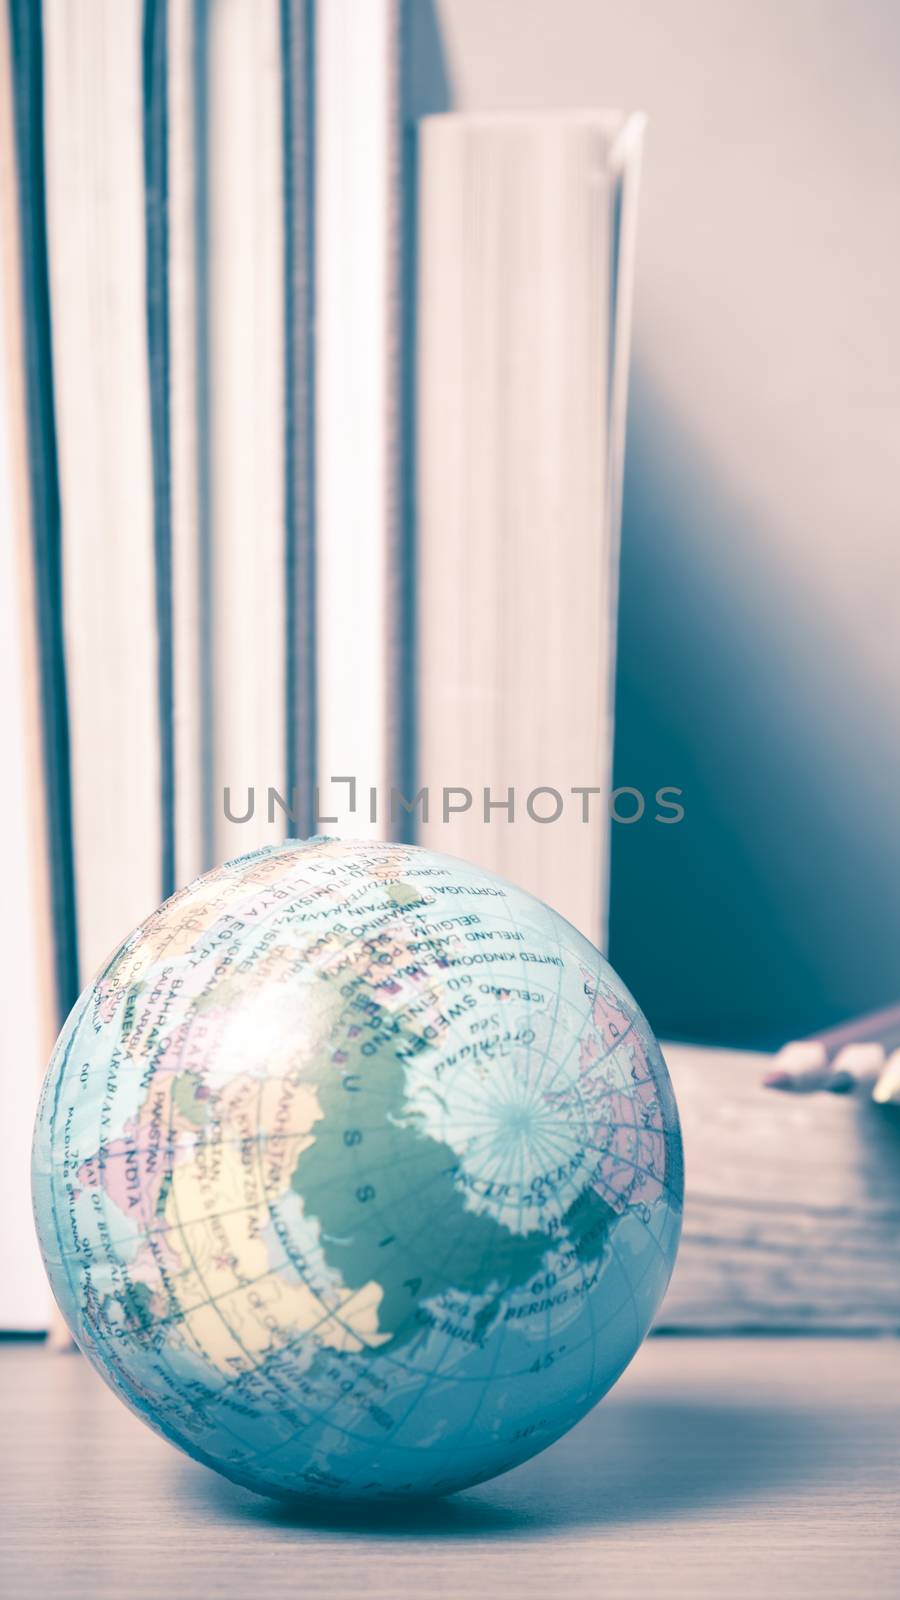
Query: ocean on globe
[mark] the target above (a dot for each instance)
(357, 1172)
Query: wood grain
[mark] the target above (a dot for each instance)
(792, 1209)
(740, 1468)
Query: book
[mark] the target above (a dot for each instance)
(97, 252)
(35, 973)
(35, 482)
(178, 210)
(790, 1215)
(524, 246)
(358, 408)
(245, 254)
(239, 134)
(157, 431)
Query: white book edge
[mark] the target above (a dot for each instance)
(596, 150)
(27, 975)
(357, 401)
(246, 400)
(96, 243)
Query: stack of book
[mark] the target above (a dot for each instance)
(320, 487)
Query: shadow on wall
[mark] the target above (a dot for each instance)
(773, 908)
(426, 86)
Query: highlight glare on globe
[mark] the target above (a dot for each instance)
(357, 1172)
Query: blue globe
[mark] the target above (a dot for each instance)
(357, 1172)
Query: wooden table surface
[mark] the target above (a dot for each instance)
(720, 1467)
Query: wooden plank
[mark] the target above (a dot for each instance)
(792, 1212)
(746, 1468)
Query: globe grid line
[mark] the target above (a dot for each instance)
(210, 1301)
(515, 1147)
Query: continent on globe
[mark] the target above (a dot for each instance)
(357, 1172)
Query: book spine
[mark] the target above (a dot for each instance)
(246, 400)
(154, 79)
(28, 298)
(98, 279)
(29, 971)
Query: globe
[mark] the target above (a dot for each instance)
(357, 1172)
